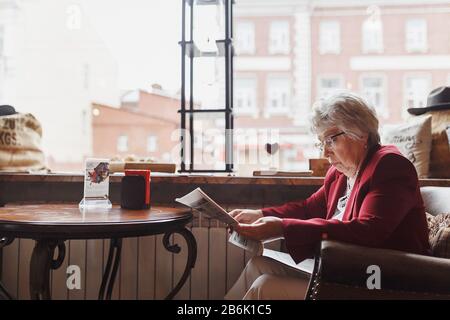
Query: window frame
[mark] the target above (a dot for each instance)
(413, 47)
(251, 48)
(382, 110)
(408, 75)
(155, 142)
(366, 37)
(325, 49)
(320, 77)
(120, 142)
(279, 49)
(269, 110)
(253, 111)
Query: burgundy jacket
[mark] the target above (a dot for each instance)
(384, 210)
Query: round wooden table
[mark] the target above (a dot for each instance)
(51, 224)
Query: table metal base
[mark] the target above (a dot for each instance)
(4, 294)
(113, 262)
(42, 263)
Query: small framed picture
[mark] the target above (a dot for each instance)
(96, 183)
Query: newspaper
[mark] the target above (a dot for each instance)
(201, 202)
(305, 266)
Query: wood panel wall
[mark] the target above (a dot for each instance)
(147, 270)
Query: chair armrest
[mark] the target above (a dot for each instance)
(347, 264)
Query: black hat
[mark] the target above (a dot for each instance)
(6, 110)
(438, 99)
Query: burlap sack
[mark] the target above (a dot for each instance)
(440, 150)
(20, 143)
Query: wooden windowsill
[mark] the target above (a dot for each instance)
(193, 179)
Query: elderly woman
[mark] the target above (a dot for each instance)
(370, 197)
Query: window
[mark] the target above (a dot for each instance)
(278, 95)
(416, 35)
(330, 37)
(279, 37)
(245, 96)
(245, 37)
(327, 85)
(152, 143)
(372, 32)
(287, 55)
(373, 89)
(416, 91)
(122, 143)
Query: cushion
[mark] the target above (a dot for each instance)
(440, 149)
(435, 199)
(413, 139)
(437, 222)
(439, 234)
(441, 244)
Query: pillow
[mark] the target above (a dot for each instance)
(440, 149)
(441, 244)
(439, 234)
(413, 139)
(436, 223)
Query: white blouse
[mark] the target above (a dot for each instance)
(342, 202)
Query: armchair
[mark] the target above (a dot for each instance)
(341, 269)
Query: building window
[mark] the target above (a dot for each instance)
(416, 91)
(245, 96)
(372, 33)
(416, 35)
(374, 90)
(330, 37)
(328, 85)
(152, 143)
(278, 95)
(245, 38)
(122, 143)
(279, 37)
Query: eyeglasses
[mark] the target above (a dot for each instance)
(329, 142)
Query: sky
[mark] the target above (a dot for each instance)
(142, 36)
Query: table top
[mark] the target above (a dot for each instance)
(62, 221)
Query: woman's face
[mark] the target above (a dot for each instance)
(343, 152)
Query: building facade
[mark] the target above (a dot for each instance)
(272, 83)
(392, 53)
(143, 127)
(291, 53)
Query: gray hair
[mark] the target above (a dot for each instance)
(350, 113)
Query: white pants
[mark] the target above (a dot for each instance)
(266, 279)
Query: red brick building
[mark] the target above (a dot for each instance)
(144, 126)
(393, 54)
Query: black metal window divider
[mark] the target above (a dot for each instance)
(189, 49)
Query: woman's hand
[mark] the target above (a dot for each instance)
(262, 229)
(246, 215)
